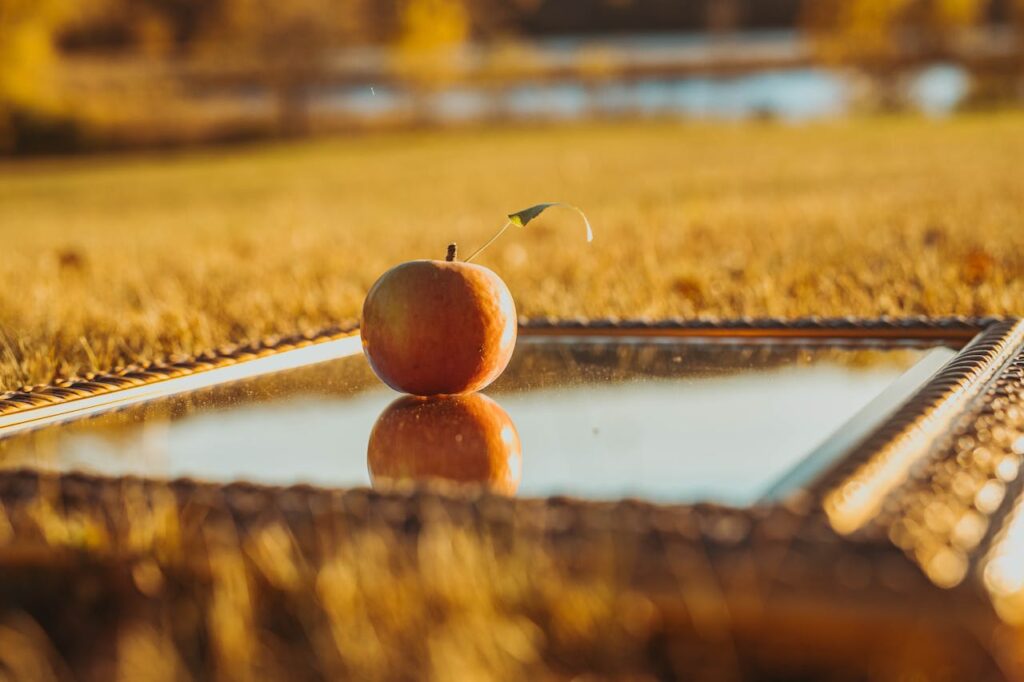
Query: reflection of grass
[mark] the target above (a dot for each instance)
(109, 262)
(144, 581)
(561, 365)
(202, 595)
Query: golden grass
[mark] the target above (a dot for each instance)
(110, 261)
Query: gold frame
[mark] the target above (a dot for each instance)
(910, 549)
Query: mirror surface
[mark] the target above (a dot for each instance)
(666, 419)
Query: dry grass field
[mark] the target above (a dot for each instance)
(110, 261)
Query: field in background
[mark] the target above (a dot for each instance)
(112, 261)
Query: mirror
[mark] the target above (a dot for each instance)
(668, 419)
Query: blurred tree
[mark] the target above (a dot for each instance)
(723, 16)
(285, 45)
(945, 22)
(154, 26)
(427, 54)
(172, 22)
(26, 50)
(430, 33)
(1017, 24)
(27, 58)
(886, 38)
(1017, 19)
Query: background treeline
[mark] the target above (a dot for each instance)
(86, 74)
(117, 24)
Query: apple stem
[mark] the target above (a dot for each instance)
(490, 241)
(453, 249)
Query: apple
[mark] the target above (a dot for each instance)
(461, 439)
(433, 327)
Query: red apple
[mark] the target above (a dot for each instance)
(433, 327)
(462, 439)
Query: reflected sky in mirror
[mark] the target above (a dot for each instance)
(671, 420)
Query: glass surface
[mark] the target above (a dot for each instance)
(667, 419)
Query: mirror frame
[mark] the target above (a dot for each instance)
(915, 537)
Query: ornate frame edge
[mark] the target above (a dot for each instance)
(98, 383)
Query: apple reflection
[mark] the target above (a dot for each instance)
(463, 439)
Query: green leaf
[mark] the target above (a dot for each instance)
(523, 217)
